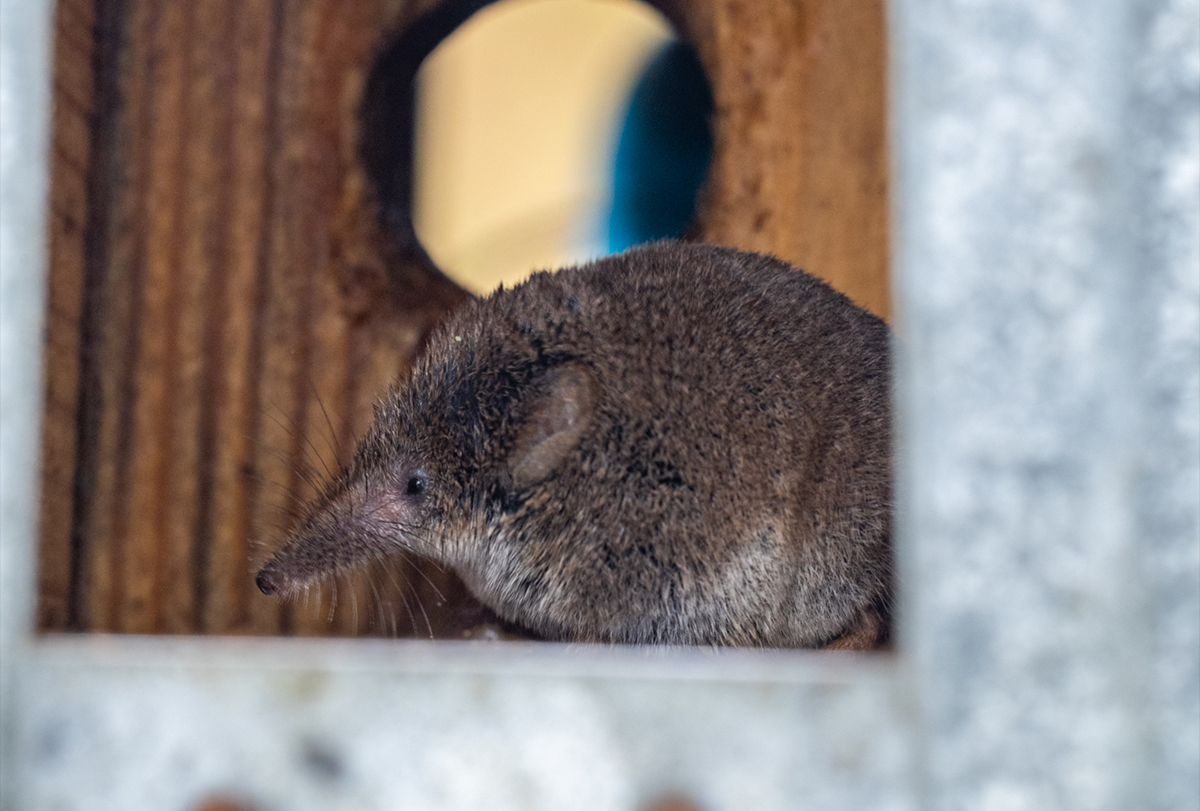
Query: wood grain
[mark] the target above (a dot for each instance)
(71, 160)
(800, 169)
(232, 416)
(225, 304)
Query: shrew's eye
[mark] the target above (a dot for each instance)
(416, 486)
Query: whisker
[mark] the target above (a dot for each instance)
(403, 596)
(378, 600)
(416, 564)
(420, 570)
(296, 434)
(421, 605)
(337, 445)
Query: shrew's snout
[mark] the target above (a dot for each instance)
(343, 533)
(267, 581)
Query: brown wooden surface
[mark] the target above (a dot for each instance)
(70, 160)
(800, 168)
(224, 308)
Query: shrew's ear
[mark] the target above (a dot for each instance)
(558, 419)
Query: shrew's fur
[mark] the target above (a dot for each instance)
(681, 444)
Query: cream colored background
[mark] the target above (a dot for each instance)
(517, 118)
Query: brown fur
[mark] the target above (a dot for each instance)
(682, 444)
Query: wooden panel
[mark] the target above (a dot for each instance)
(238, 301)
(116, 291)
(232, 416)
(225, 306)
(800, 169)
(70, 161)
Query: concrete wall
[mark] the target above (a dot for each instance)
(1047, 279)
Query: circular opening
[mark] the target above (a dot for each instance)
(548, 132)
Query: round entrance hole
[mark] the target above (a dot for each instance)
(549, 132)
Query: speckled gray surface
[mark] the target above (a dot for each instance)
(1048, 298)
(383, 726)
(24, 116)
(1166, 135)
(1048, 288)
